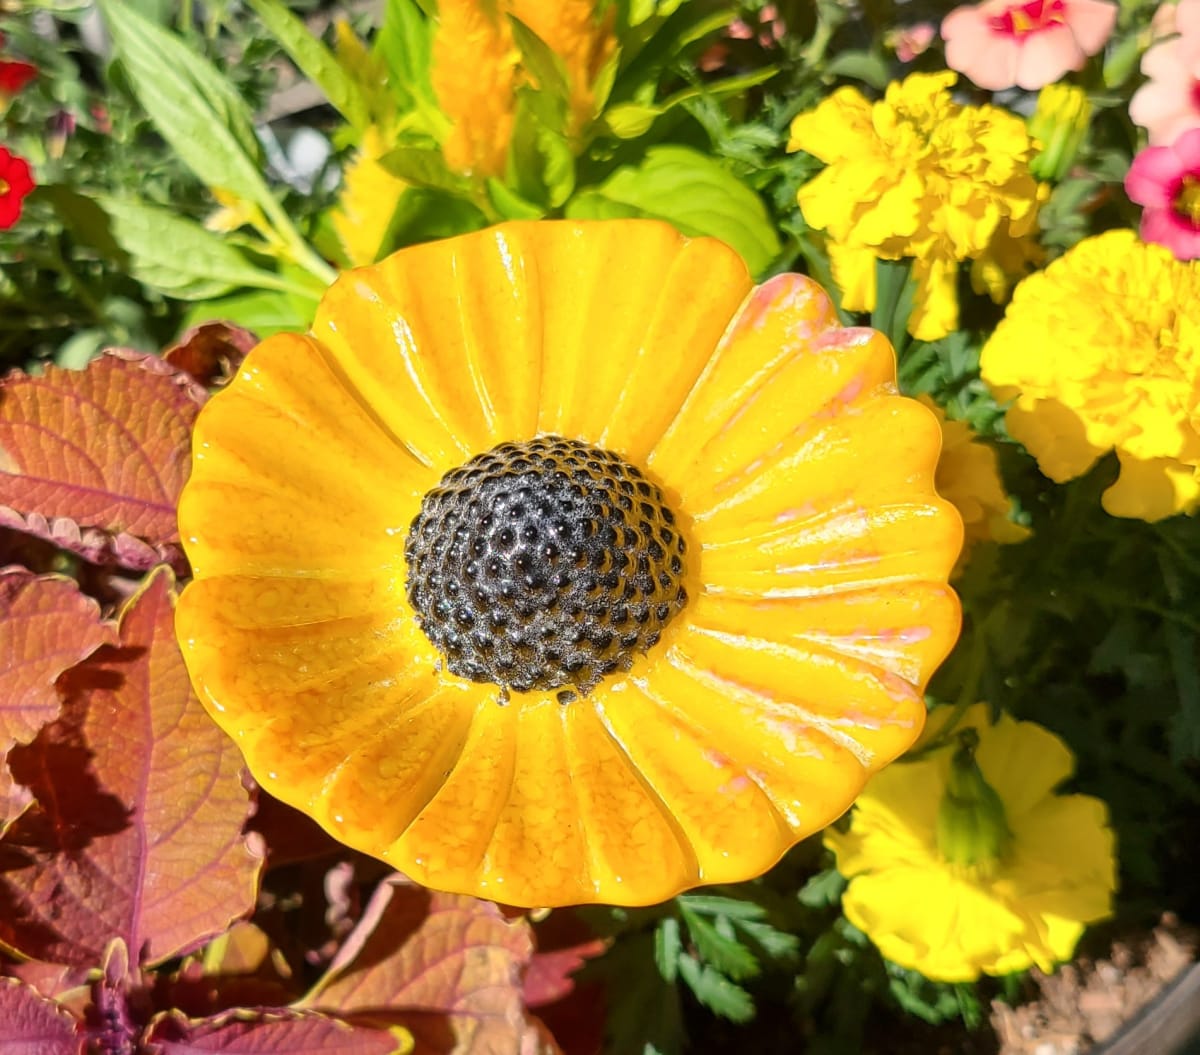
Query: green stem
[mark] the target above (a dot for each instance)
(298, 249)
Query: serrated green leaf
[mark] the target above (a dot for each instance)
(777, 944)
(667, 947)
(177, 256)
(821, 890)
(727, 955)
(714, 905)
(315, 61)
(194, 108)
(541, 166)
(715, 991)
(691, 191)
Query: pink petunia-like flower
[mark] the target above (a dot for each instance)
(1165, 181)
(1002, 43)
(1168, 104)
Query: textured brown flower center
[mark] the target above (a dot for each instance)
(542, 565)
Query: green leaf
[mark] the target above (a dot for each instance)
(667, 947)
(177, 256)
(194, 108)
(424, 167)
(541, 166)
(866, 66)
(721, 951)
(691, 191)
(423, 215)
(630, 120)
(547, 69)
(405, 42)
(715, 991)
(713, 905)
(260, 311)
(315, 60)
(510, 205)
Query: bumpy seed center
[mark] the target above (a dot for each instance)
(544, 564)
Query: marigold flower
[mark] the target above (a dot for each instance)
(1168, 104)
(965, 861)
(919, 175)
(1166, 182)
(1097, 353)
(476, 70)
(558, 564)
(16, 182)
(968, 474)
(1025, 43)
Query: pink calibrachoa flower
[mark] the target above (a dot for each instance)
(1002, 43)
(910, 41)
(1169, 103)
(1165, 181)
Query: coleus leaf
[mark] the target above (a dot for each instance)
(31, 1023)
(136, 833)
(94, 460)
(445, 966)
(274, 1032)
(46, 627)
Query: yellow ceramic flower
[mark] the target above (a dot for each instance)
(968, 474)
(965, 861)
(1099, 351)
(920, 176)
(559, 564)
(477, 70)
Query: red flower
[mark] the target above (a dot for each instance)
(15, 182)
(14, 76)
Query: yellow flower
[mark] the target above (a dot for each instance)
(367, 202)
(965, 861)
(476, 70)
(559, 564)
(474, 78)
(919, 176)
(1100, 351)
(968, 474)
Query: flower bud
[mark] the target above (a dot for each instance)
(1059, 124)
(972, 829)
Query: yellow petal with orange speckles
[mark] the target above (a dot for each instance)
(809, 610)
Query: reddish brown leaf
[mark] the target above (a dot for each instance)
(32, 1024)
(564, 945)
(51, 980)
(46, 626)
(136, 833)
(211, 352)
(94, 460)
(268, 1032)
(445, 966)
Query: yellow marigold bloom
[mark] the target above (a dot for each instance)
(1099, 352)
(560, 564)
(968, 474)
(474, 70)
(965, 861)
(919, 176)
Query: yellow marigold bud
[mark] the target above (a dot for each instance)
(1059, 124)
